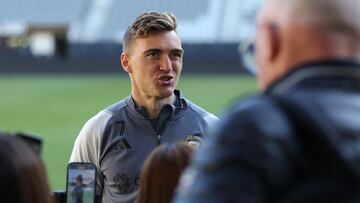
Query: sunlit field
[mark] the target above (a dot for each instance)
(55, 107)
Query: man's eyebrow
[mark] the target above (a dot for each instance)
(160, 50)
(153, 50)
(177, 51)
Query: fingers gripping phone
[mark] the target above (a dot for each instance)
(81, 183)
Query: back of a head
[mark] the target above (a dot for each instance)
(291, 33)
(323, 30)
(161, 172)
(146, 24)
(22, 174)
(332, 15)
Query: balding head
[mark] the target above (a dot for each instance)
(321, 11)
(293, 32)
(333, 15)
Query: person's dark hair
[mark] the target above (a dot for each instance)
(148, 23)
(22, 173)
(161, 172)
(79, 178)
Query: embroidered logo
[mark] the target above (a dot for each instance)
(122, 183)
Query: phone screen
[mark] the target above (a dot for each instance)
(81, 183)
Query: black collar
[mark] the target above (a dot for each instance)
(328, 68)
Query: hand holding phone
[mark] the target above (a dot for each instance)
(81, 183)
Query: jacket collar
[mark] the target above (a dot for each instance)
(322, 69)
(178, 104)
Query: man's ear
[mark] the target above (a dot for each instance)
(125, 62)
(274, 41)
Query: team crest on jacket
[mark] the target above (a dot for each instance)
(193, 140)
(122, 183)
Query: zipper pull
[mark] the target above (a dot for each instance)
(159, 139)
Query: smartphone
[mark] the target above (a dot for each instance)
(81, 183)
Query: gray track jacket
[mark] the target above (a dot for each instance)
(119, 138)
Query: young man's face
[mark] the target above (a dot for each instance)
(154, 64)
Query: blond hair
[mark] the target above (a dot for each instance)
(148, 23)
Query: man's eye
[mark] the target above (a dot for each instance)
(175, 56)
(153, 55)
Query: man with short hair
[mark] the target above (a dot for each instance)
(119, 138)
(298, 141)
(78, 191)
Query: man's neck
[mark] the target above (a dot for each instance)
(152, 105)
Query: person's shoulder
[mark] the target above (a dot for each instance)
(100, 117)
(207, 116)
(259, 114)
(99, 120)
(252, 105)
(86, 146)
(118, 106)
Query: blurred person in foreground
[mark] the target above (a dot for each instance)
(298, 141)
(119, 138)
(23, 177)
(161, 172)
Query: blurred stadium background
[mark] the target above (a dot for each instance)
(59, 62)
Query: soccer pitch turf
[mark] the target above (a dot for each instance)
(56, 107)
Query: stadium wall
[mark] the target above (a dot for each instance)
(105, 58)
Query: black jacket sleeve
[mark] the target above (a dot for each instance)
(249, 152)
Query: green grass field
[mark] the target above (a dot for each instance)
(56, 107)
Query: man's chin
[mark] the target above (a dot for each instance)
(166, 93)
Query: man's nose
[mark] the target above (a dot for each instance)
(166, 65)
